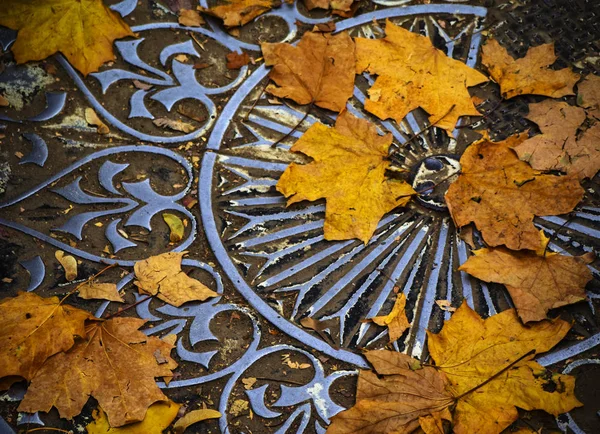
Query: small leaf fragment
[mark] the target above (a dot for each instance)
(529, 75)
(175, 226)
(190, 18)
(92, 118)
(193, 417)
(69, 264)
(162, 276)
(175, 125)
(236, 13)
(396, 320)
(158, 418)
(236, 60)
(445, 305)
(100, 291)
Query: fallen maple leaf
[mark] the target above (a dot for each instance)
(162, 276)
(489, 364)
(239, 12)
(483, 370)
(115, 364)
(32, 329)
(559, 147)
(588, 95)
(82, 30)
(536, 282)
(158, 418)
(193, 417)
(501, 194)
(396, 320)
(413, 73)
(529, 75)
(100, 291)
(348, 170)
(236, 60)
(394, 397)
(319, 69)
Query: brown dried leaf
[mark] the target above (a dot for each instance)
(412, 73)
(558, 147)
(239, 12)
(92, 118)
(32, 329)
(536, 283)
(100, 291)
(393, 397)
(176, 125)
(396, 320)
(530, 74)
(588, 95)
(236, 60)
(3, 101)
(162, 276)
(445, 305)
(327, 27)
(319, 69)
(144, 86)
(115, 364)
(501, 194)
(190, 18)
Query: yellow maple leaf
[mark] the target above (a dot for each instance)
(489, 365)
(162, 276)
(536, 282)
(158, 418)
(529, 75)
(32, 329)
(319, 69)
(483, 370)
(413, 73)
(116, 364)
(501, 194)
(82, 30)
(348, 170)
(396, 320)
(239, 12)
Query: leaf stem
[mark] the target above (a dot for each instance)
(88, 280)
(48, 429)
(500, 372)
(555, 234)
(245, 118)
(120, 311)
(290, 132)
